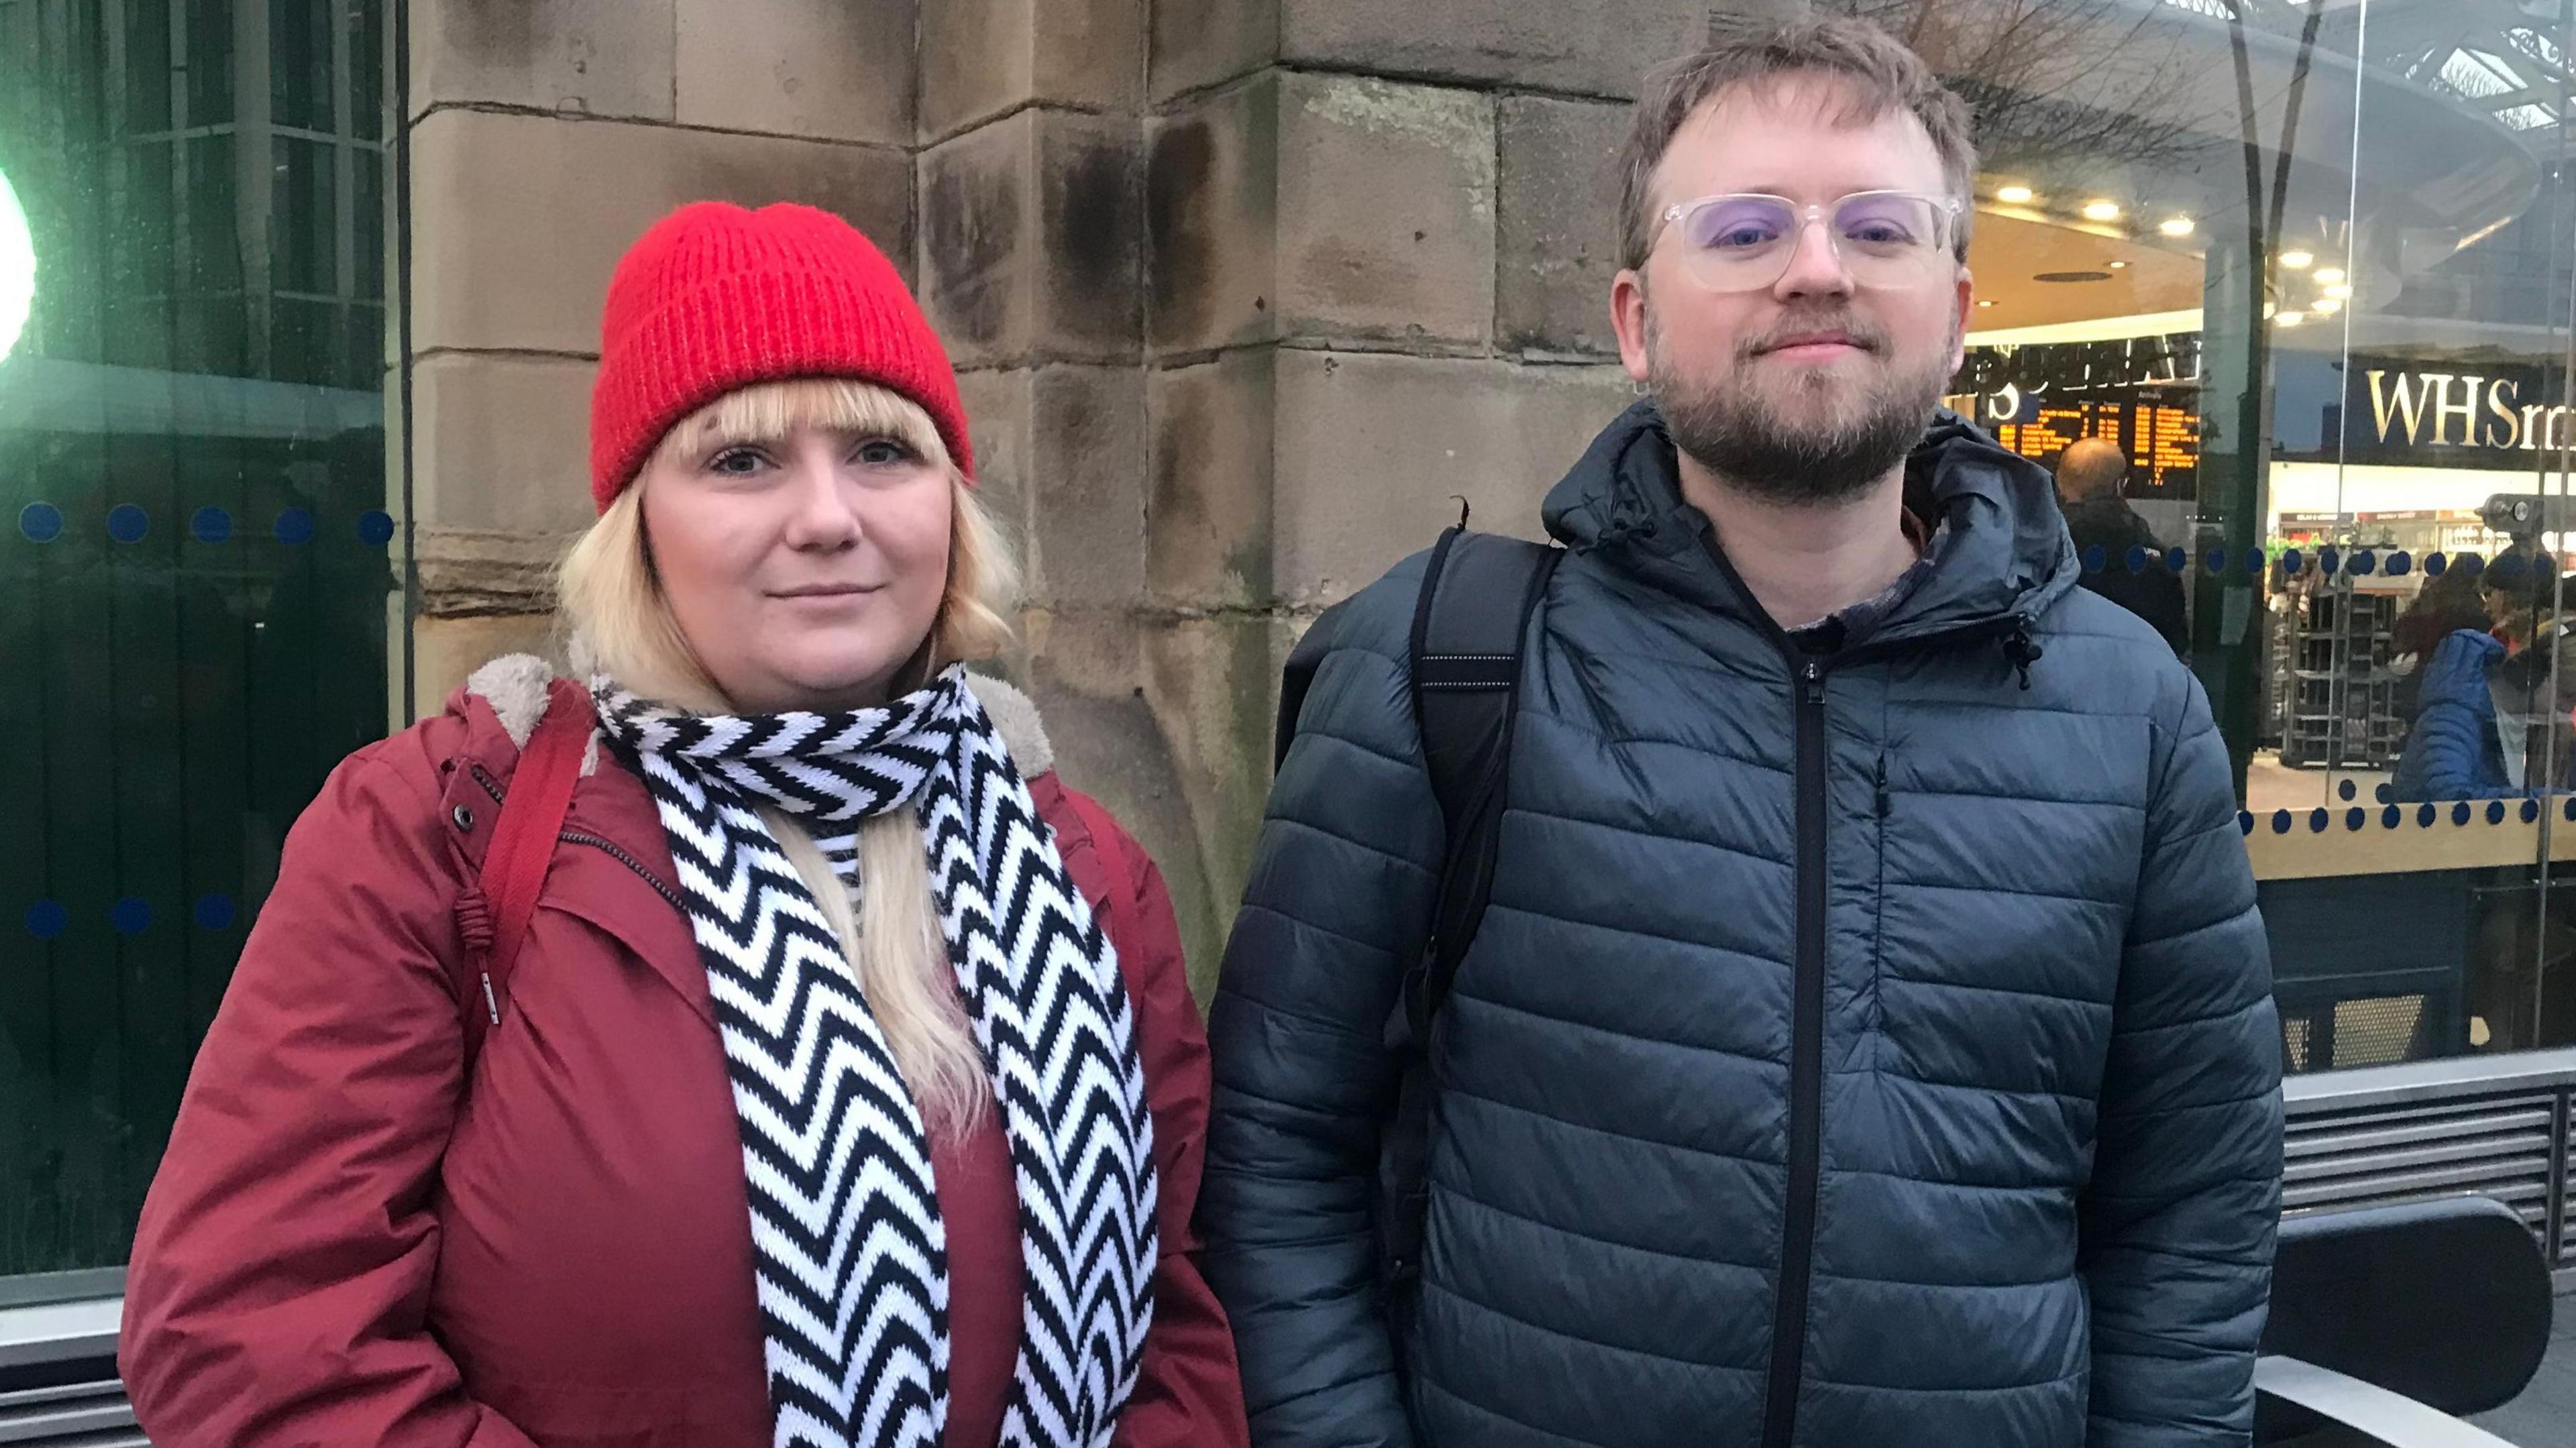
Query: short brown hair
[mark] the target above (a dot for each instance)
(1876, 71)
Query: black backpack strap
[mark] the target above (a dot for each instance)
(1478, 595)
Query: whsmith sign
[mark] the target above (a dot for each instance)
(2425, 415)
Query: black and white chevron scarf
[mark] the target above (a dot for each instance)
(847, 1241)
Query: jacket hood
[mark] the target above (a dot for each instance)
(2001, 555)
(2457, 670)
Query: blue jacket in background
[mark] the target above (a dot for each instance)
(2453, 752)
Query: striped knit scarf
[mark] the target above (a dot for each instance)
(847, 1244)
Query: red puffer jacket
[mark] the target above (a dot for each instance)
(349, 1243)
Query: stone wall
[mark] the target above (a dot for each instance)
(1242, 292)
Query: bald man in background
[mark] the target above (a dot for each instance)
(2089, 475)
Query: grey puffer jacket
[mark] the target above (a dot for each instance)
(1862, 1051)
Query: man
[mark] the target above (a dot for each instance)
(1869, 1037)
(2089, 475)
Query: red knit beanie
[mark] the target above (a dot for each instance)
(716, 297)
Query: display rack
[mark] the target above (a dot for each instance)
(2334, 692)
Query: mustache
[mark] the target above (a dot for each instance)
(1859, 333)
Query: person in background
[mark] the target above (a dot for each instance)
(2448, 602)
(848, 1091)
(2484, 721)
(2090, 475)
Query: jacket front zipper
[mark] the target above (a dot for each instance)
(611, 848)
(1806, 1066)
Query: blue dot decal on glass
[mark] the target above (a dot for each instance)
(2495, 811)
(2470, 564)
(47, 919)
(41, 522)
(214, 911)
(2254, 562)
(2365, 563)
(375, 527)
(2137, 559)
(2400, 563)
(2385, 794)
(2328, 560)
(2318, 819)
(2390, 817)
(2216, 560)
(2424, 816)
(127, 523)
(2245, 821)
(2509, 568)
(211, 525)
(2355, 817)
(2280, 822)
(2571, 809)
(2435, 565)
(2095, 560)
(2346, 789)
(295, 526)
(2460, 813)
(2176, 560)
(2531, 811)
(131, 915)
(2292, 562)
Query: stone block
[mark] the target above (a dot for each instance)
(1070, 442)
(1201, 43)
(1587, 47)
(1386, 210)
(1323, 206)
(469, 572)
(1212, 219)
(1214, 685)
(997, 422)
(503, 442)
(1373, 450)
(1032, 240)
(981, 58)
(600, 57)
(829, 69)
(446, 650)
(518, 220)
(1556, 230)
(1209, 539)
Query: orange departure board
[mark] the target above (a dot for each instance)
(2162, 441)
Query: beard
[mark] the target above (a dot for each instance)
(1813, 437)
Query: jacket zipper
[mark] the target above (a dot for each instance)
(614, 851)
(1806, 1067)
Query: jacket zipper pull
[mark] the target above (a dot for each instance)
(1814, 674)
(490, 1004)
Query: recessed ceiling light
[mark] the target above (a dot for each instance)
(2175, 226)
(2339, 291)
(1986, 303)
(2119, 266)
(2328, 275)
(2326, 306)
(2101, 211)
(2290, 319)
(2015, 195)
(2297, 260)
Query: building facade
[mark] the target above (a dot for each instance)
(298, 306)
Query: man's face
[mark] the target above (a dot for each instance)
(1810, 389)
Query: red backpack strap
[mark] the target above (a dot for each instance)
(523, 843)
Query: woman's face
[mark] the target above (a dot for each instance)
(806, 571)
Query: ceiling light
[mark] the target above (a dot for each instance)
(2326, 306)
(2297, 260)
(2327, 275)
(2291, 319)
(1986, 303)
(2175, 226)
(2119, 266)
(2015, 195)
(2101, 211)
(2339, 291)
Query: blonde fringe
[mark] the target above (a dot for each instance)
(610, 600)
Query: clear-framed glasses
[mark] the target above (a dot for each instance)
(1743, 242)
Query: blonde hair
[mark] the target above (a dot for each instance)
(610, 601)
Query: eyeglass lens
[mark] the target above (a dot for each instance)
(1744, 242)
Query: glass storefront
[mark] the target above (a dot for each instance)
(196, 552)
(2306, 265)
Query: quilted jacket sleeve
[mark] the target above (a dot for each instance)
(2178, 1220)
(1340, 898)
(2447, 749)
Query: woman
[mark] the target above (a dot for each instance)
(2483, 685)
(847, 1089)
